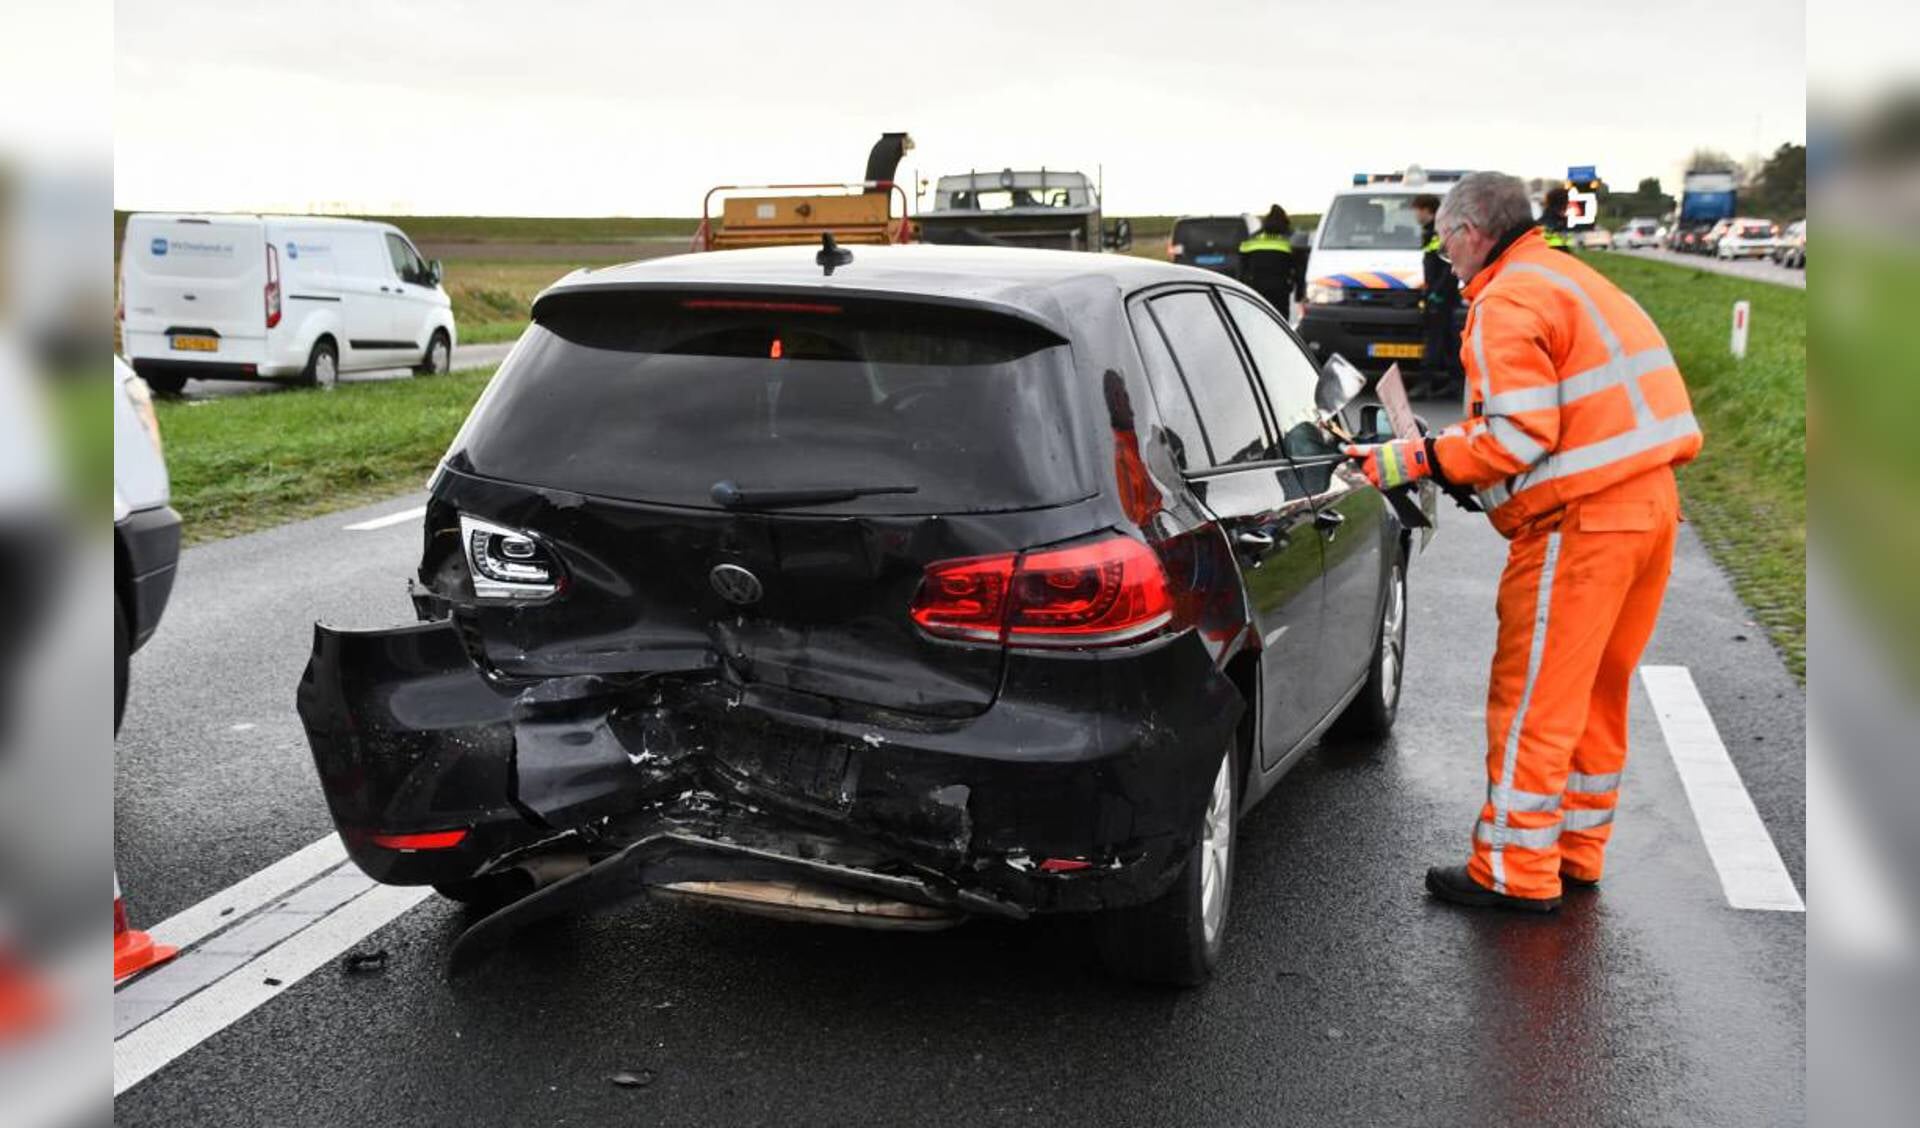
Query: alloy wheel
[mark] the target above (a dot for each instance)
(1216, 843)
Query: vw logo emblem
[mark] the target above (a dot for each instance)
(735, 584)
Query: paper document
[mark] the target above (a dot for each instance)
(1392, 391)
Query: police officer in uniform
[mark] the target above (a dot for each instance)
(1269, 264)
(1553, 220)
(1439, 301)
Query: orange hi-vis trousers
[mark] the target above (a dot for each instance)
(1577, 603)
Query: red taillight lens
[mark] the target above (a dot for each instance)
(273, 286)
(965, 598)
(1098, 594)
(430, 840)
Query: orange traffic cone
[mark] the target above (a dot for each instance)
(133, 951)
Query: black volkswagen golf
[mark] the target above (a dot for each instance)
(886, 587)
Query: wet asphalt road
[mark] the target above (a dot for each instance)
(1345, 996)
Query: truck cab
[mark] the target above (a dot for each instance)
(1366, 281)
(1044, 208)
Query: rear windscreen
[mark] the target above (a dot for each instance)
(1213, 234)
(652, 399)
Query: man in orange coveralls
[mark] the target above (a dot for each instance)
(1576, 418)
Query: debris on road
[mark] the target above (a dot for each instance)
(366, 963)
(632, 1079)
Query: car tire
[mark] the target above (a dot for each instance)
(1176, 938)
(122, 656)
(323, 365)
(165, 383)
(438, 360)
(1372, 713)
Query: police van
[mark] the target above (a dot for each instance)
(1365, 282)
(241, 297)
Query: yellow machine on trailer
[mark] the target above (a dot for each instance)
(862, 213)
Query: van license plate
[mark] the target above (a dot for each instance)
(1396, 351)
(1210, 260)
(195, 344)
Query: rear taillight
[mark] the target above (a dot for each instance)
(1097, 594)
(273, 286)
(431, 840)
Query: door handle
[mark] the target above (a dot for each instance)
(1256, 541)
(1329, 521)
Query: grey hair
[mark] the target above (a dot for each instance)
(1493, 202)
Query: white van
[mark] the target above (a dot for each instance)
(244, 296)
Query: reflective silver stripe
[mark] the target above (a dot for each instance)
(1580, 385)
(1515, 799)
(1495, 496)
(1543, 605)
(1587, 818)
(1527, 838)
(1642, 413)
(1593, 784)
(1564, 463)
(1518, 442)
(1480, 355)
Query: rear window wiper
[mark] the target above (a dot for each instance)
(730, 495)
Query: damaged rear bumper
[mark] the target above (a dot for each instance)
(687, 779)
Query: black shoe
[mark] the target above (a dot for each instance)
(1578, 882)
(1453, 883)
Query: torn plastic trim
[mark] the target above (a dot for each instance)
(672, 857)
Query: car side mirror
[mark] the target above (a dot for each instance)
(434, 273)
(1375, 427)
(1119, 235)
(1340, 384)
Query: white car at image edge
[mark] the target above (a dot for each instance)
(146, 530)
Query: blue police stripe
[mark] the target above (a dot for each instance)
(1392, 282)
(1350, 280)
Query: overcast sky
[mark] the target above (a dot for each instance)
(583, 107)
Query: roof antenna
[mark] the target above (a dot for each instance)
(831, 254)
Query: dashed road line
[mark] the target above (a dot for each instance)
(251, 893)
(389, 520)
(150, 1045)
(1751, 872)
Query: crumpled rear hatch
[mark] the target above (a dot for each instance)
(756, 484)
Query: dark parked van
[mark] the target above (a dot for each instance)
(887, 587)
(1212, 241)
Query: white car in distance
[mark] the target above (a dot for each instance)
(1748, 238)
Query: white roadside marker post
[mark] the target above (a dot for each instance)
(1741, 316)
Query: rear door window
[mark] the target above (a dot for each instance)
(661, 398)
(1211, 367)
(1170, 394)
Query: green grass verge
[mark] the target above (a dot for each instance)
(242, 463)
(1746, 494)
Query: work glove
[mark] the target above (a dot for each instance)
(1391, 466)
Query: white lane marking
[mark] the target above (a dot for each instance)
(146, 1049)
(390, 519)
(250, 893)
(1751, 872)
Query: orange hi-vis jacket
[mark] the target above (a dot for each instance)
(1571, 388)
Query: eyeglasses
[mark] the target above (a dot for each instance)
(1447, 237)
